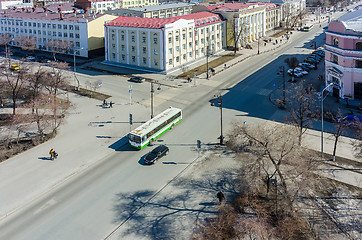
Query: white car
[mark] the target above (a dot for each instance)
(30, 58)
(296, 73)
(301, 70)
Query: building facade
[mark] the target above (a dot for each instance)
(134, 3)
(163, 44)
(156, 11)
(83, 32)
(343, 58)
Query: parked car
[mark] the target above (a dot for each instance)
(308, 65)
(156, 154)
(30, 58)
(352, 120)
(137, 79)
(304, 68)
(14, 67)
(296, 73)
(302, 71)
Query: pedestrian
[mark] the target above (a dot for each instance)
(220, 196)
(189, 79)
(110, 104)
(104, 103)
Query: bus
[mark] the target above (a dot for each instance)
(308, 28)
(152, 129)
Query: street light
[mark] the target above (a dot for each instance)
(75, 69)
(322, 115)
(282, 70)
(152, 93)
(219, 96)
(258, 42)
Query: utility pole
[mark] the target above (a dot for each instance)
(221, 136)
(152, 92)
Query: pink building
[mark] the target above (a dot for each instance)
(343, 58)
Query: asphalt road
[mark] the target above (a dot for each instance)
(87, 205)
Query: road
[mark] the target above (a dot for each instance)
(86, 205)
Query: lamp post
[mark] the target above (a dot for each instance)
(282, 71)
(219, 96)
(75, 68)
(322, 98)
(152, 93)
(258, 42)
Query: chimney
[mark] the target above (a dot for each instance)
(59, 10)
(74, 10)
(33, 9)
(23, 9)
(61, 15)
(86, 10)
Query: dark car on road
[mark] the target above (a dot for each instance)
(137, 79)
(156, 154)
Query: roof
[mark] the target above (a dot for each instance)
(154, 122)
(352, 20)
(51, 14)
(200, 18)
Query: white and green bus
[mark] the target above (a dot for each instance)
(308, 28)
(152, 129)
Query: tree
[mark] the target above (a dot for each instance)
(301, 104)
(238, 31)
(271, 151)
(5, 39)
(339, 126)
(36, 83)
(26, 43)
(58, 46)
(292, 64)
(357, 143)
(14, 82)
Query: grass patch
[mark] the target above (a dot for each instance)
(90, 94)
(212, 64)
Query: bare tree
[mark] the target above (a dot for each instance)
(301, 103)
(58, 46)
(239, 31)
(292, 64)
(273, 152)
(339, 126)
(5, 39)
(26, 43)
(357, 143)
(14, 83)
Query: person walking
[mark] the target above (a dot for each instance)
(220, 196)
(110, 104)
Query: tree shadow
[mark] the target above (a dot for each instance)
(181, 205)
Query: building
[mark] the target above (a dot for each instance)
(74, 29)
(343, 58)
(157, 11)
(98, 6)
(5, 4)
(163, 44)
(246, 22)
(134, 3)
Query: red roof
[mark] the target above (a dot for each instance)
(200, 18)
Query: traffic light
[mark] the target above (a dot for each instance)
(130, 119)
(198, 144)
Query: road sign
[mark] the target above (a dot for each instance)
(131, 90)
(100, 83)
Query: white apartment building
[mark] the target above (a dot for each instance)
(82, 32)
(163, 44)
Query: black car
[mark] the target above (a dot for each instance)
(156, 154)
(137, 79)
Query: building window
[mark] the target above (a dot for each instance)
(144, 60)
(76, 35)
(177, 59)
(77, 44)
(190, 34)
(143, 39)
(184, 46)
(335, 42)
(155, 62)
(133, 58)
(155, 52)
(183, 36)
(65, 35)
(113, 55)
(144, 49)
(359, 46)
(122, 47)
(170, 40)
(123, 57)
(170, 61)
(122, 37)
(177, 48)
(170, 50)
(64, 26)
(190, 54)
(113, 46)
(358, 64)
(197, 52)
(133, 39)
(334, 59)
(176, 38)
(154, 40)
(112, 36)
(76, 27)
(184, 56)
(70, 27)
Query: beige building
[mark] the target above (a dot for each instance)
(163, 44)
(79, 33)
(156, 11)
(134, 3)
(246, 22)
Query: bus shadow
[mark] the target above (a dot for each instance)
(122, 145)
